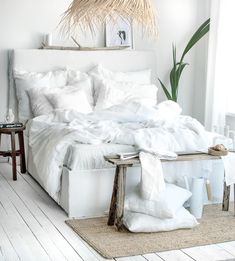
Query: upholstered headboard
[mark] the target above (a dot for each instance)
(45, 60)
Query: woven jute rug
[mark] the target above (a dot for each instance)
(216, 226)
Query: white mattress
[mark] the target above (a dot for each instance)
(87, 157)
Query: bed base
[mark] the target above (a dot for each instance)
(86, 193)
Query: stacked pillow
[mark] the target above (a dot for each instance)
(113, 93)
(41, 93)
(112, 88)
(163, 214)
(24, 81)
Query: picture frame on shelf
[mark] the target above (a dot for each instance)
(119, 33)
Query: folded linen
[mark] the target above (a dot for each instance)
(137, 222)
(229, 163)
(166, 204)
(152, 179)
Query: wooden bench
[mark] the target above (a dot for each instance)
(118, 196)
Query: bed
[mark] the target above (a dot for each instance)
(93, 183)
(86, 179)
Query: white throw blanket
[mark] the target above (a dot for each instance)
(160, 130)
(152, 178)
(229, 167)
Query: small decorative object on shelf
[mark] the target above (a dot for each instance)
(10, 116)
(48, 39)
(119, 33)
(80, 48)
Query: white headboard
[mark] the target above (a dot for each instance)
(45, 60)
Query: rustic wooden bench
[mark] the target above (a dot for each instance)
(118, 196)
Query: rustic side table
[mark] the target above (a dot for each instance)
(116, 211)
(13, 153)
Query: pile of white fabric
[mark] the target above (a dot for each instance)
(155, 205)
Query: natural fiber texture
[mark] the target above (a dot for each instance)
(216, 227)
(89, 15)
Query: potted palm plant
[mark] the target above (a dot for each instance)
(178, 67)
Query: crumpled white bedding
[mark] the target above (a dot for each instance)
(159, 129)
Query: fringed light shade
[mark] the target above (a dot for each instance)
(90, 14)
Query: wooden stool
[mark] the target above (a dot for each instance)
(13, 153)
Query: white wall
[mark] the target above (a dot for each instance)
(23, 24)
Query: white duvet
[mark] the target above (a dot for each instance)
(160, 129)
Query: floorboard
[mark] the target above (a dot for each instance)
(175, 255)
(131, 258)
(32, 227)
(208, 253)
(6, 248)
(152, 257)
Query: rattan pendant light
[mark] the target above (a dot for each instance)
(90, 14)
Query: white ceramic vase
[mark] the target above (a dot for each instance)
(196, 202)
(10, 116)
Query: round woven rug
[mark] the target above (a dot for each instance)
(216, 226)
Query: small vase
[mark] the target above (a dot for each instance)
(10, 116)
(196, 202)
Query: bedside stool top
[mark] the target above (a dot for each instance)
(10, 130)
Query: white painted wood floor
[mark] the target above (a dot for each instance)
(32, 228)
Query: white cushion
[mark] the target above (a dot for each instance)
(167, 204)
(70, 99)
(40, 105)
(38, 101)
(141, 77)
(137, 222)
(27, 80)
(84, 81)
(113, 93)
(99, 72)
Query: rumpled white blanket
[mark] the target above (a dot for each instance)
(160, 130)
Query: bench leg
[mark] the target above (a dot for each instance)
(234, 198)
(22, 152)
(13, 155)
(113, 204)
(120, 197)
(226, 197)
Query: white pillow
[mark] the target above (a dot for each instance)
(113, 93)
(26, 80)
(70, 99)
(40, 105)
(99, 72)
(137, 222)
(166, 206)
(38, 101)
(80, 78)
(141, 77)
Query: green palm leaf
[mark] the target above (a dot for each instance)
(202, 30)
(165, 90)
(178, 67)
